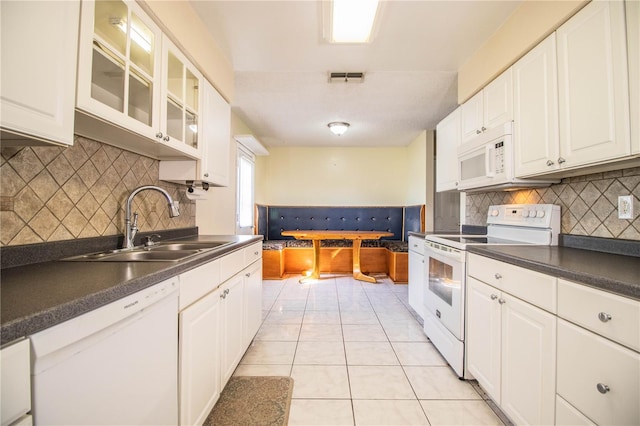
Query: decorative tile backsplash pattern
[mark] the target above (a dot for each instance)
(54, 193)
(589, 204)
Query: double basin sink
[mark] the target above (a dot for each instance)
(159, 252)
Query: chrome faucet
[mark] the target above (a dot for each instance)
(131, 228)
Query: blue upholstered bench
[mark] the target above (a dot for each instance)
(272, 220)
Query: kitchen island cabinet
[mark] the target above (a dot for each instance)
(417, 279)
(510, 341)
(38, 71)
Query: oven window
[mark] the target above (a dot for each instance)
(441, 282)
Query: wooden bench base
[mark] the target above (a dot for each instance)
(291, 260)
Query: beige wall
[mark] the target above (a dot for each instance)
(184, 27)
(337, 176)
(528, 25)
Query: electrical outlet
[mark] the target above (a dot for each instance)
(625, 207)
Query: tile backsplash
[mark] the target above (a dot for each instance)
(53, 193)
(589, 203)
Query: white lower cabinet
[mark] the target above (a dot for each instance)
(253, 302)
(416, 274)
(15, 384)
(511, 346)
(217, 323)
(232, 325)
(199, 347)
(511, 352)
(598, 359)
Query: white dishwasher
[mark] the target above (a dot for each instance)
(115, 365)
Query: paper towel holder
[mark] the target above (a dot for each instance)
(194, 184)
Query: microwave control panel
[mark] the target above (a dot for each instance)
(499, 157)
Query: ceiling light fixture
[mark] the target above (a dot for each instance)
(338, 128)
(351, 21)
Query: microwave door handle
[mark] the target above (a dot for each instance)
(488, 163)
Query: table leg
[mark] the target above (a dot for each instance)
(357, 273)
(314, 274)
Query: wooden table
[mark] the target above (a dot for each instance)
(355, 236)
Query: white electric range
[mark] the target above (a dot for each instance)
(445, 269)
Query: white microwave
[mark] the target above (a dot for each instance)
(486, 163)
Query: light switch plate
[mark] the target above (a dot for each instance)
(625, 207)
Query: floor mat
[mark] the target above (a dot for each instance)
(253, 400)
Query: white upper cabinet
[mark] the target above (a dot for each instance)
(447, 142)
(489, 108)
(38, 71)
(535, 110)
(215, 145)
(143, 94)
(119, 65)
(181, 101)
(593, 85)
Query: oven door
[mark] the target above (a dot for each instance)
(444, 287)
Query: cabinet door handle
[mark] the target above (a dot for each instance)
(159, 135)
(484, 128)
(256, 253)
(494, 296)
(550, 163)
(166, 138)
(206, 175)
(502, 301)
(602, 388)
(478, 132)
(604, 317)
(223, 295)
(498, 276)
(561, 160)
(248, 274)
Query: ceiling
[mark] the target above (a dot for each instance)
(282, 64)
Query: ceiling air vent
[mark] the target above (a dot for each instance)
(346, 77)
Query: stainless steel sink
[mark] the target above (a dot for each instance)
(160, 252)
(169, 246)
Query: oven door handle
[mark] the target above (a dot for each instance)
(455, 254)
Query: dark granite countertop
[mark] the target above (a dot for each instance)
(38, 296)
(610, 272)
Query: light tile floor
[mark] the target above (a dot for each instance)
(358, 356)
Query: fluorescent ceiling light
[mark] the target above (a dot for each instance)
(352, 20)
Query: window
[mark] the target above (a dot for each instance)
(246, 166)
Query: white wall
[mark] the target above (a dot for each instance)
(349, 176)
(417, 170)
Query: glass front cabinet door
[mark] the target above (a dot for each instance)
(119, 65)
(181, 100)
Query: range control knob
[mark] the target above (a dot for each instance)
(495, 212)
(532, 213)
(540, 213)
(525, 213)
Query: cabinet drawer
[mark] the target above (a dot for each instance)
(567, 414)
(252, 253)
(416, 245)
(231, 264)
(197, 282)
(587, 361)
(591, 308)
(530, 286)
